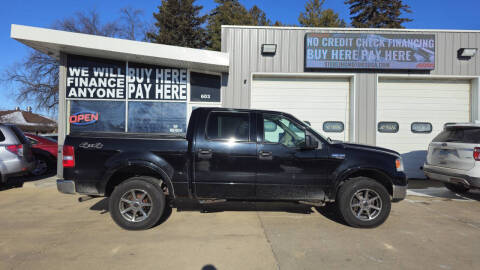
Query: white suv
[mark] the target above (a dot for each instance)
(454, 157)
(16, 156)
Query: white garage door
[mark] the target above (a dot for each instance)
(423, 101)
(317, 100)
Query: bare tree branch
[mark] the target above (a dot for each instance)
(35, 78)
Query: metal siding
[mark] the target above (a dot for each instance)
(290, 58)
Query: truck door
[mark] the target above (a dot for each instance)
(225, 156)
(286, 170)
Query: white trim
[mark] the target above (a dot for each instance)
(301, 75)
(54, 42)
(347, 29)
(474, 90)
(352, 98)
(126, 96)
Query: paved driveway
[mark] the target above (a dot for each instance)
(42, 229)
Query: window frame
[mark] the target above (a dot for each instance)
(343, 127)
(421, 132)
(391, 122)
(249, 140)
(278, 143)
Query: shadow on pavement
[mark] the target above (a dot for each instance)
(288, 207)
(17, 182)
(435, 189)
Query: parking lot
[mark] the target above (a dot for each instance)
(43, 229)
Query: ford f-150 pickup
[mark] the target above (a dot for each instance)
(232, 154)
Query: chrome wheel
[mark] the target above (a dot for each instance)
(135, 205)
(41, 167)
(366, 204)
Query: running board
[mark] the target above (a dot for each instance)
(313, 203)
(211, 201)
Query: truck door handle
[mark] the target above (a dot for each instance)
(205, 153)
(264, 155)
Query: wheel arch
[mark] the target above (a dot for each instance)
(372, 173)
(135, 168)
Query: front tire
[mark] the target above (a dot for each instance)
(456, 188)
(137, 203)
(363, 202)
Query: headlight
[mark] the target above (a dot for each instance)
(399, 164)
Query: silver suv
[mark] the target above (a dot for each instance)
(16, 157)
(454, 157)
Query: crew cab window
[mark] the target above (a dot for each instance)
(228, 126)
(279, 129)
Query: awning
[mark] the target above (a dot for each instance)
(54, 42)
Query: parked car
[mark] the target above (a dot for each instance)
(453, 157)
(45, 151)
(228, 154)
(16, 156)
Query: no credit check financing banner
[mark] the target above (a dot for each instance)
(369, 51)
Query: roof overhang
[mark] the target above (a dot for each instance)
(54, 42)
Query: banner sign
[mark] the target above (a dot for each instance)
(92, 78)
(204, 87)
(147, 82)
(95, 78)
(369, 51)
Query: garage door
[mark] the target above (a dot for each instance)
(324, 102)
(414, 106)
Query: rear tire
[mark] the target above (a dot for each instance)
(456, 188)
(137, 203)
(42, 166)
(363, 202)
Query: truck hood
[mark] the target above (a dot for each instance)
(370, 148)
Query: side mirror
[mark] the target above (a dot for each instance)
(310, 142)
(308, 123)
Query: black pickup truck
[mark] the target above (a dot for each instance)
(232, 154)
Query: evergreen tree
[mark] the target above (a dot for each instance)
(227, 12)
(258, 16)
(178, 23)
(378, 13)
(316, 16)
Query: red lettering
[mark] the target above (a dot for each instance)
(87, 117)
(73, 119)
(95, 116)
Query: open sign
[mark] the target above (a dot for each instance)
(83, 118)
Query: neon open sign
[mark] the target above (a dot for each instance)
(83, 118)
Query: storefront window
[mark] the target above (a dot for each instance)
(99, 116)
(157, 117)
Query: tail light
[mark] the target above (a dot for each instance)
(68, 156)
(476, 153)
(17, 149)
